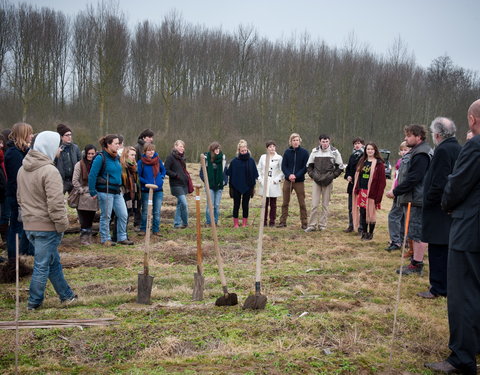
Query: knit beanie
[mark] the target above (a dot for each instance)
(62, 129)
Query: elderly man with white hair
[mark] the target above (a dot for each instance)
(44, 216)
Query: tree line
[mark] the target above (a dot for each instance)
(199, 84)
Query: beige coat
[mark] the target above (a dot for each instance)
(40, 194)
(86, 202)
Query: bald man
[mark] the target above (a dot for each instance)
(461, 198)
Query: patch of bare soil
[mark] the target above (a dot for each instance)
(99, 261)
(314, 305)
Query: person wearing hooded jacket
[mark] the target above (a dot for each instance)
(44, 216)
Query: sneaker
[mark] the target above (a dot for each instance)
(392, 246)
(310, 229)
(70, 301)
(33, 307)
(125, 242)
(141, 233)
(304, 226)
(411, 269)
(109, 243)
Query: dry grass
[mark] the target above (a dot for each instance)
(334, 319)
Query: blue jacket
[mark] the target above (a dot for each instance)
(13, 161)
(243, 173)
(112, 173)
(295, 162)
(145, 173)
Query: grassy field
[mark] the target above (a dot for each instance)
(331, 299)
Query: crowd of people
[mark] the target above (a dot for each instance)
(437, 189)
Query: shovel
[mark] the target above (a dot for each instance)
(145, 281)
(199, 280)
(258, 301)
(228, 299)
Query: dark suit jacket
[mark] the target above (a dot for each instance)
(436, 222)
(462, 198)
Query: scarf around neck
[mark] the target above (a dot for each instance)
(154, 162)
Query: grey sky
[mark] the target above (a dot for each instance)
(429, 28)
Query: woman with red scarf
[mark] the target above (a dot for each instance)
(151, 171)
(87, 206)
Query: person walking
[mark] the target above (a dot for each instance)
(40, 196)
(294, 167)
(87, 206)
(273, 190)
(104, 182)
(216, 170)
(370, 182)
(68, 157)
(242, 173)
(180, 182)
(151, 171)
(350, 169)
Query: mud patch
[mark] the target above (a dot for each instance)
(99, 261)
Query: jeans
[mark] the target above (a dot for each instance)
(107, 202)
(181, 213)
(157, 204)
(47, 266)
(216, 197)
(24, 247)
(396, 224)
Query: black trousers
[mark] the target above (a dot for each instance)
(463, 274)
(244, 199)
(438, 258)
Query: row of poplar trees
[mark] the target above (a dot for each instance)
(198, 84)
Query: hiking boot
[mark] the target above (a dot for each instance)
(109, 243)
(411, 269)
(392, 246)
(125, 242)
(310, 229)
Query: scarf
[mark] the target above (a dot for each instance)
(112, 154)
(85, 167)
(130, 178)
(214, 171)
(154, 162)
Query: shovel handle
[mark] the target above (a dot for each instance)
(150, 187)
(214, 226)
(258, 268)
(199, 231)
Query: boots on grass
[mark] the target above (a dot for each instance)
(235, 222)
(244, 222)
(84, 238)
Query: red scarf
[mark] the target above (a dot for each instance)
(154, 162)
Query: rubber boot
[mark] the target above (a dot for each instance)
(235, 222)
(244, 222)
(90, 241)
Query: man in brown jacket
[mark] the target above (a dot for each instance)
(44, 216)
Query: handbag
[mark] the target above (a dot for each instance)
(73, 198)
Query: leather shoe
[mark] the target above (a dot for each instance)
(348, 230)
(443, 366)
(125, 242)
(427, 294)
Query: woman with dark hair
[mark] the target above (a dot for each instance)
(370, 182)
(180, 182)
(243, 174)
(87, 206)
(151, 171)
(17, 148)
(217, 179)
(104, 182)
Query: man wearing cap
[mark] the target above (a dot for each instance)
(68, 157)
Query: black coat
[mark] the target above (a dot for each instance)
(351, 168)
(462, 198)
(436, 222)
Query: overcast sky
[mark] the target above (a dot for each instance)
(429, 28)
